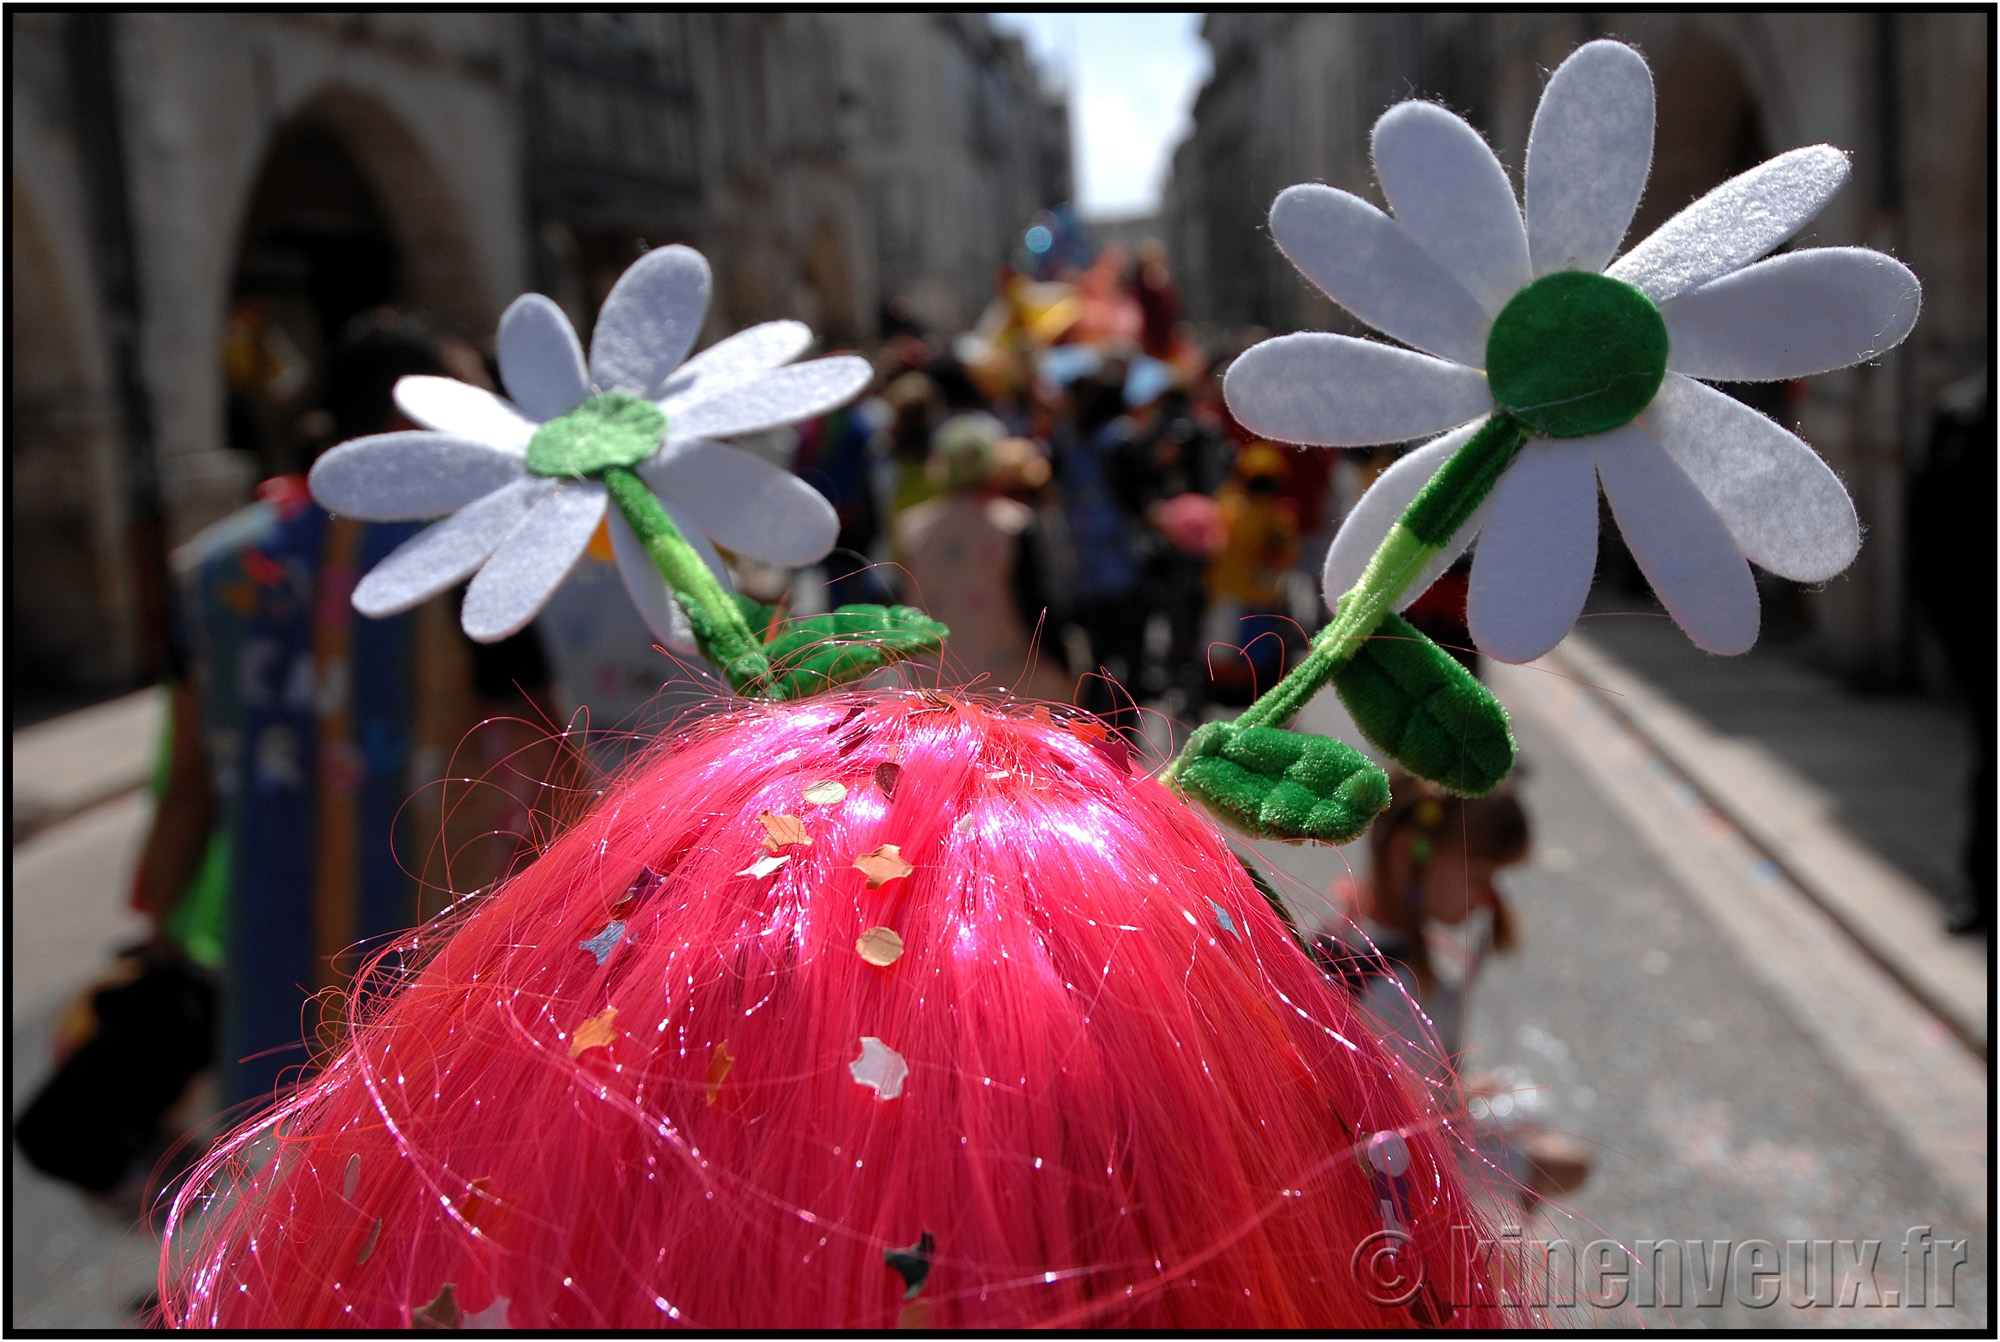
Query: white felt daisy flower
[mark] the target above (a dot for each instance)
(1595, 362)
(526, 480)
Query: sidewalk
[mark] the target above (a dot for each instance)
(1889, 769)
(79, 813)
(65, 765)
(1857, 799)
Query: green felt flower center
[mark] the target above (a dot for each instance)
(614, 429)
(1576, 353)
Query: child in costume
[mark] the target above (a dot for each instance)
(1419, 929)
(1429, 911)
(904, 1008)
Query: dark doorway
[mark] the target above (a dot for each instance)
(315, 251)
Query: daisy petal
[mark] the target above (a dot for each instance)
(649, 320)
(1362, 530)
(540, 361)
(1589, 151)
(1373, 267)
(1682, 546)
(1792, 316)
(782, 396)
(451, 406)
(651, 596)
(1786, 508)
(732, 362)
(1537, 554)
(1734, 224)
(1451, 193)
(439, 556)
(744, 503)
(398, 477)
(1336, 391)
(531, 563)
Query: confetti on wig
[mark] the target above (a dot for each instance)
(884, 865)
(1110, 1117)
(783, 831)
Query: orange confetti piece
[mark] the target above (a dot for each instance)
(916, 1315)
(1041, 715)
(883, 865)
(718, 1069)
(597, 1032)
(1086, 730)
(826, 793)
(475, 1198)
(782, 831)
(485, 1212)
(880, 946)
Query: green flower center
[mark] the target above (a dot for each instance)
(615, 429)
(1576, 353)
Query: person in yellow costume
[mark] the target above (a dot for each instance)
(1246, 592)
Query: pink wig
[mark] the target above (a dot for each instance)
(630, 1089)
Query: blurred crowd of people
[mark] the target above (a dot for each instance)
(1063, 486)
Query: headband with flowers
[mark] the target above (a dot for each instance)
(1562, 369)
(526, 482)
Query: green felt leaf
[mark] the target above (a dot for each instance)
(1422, 708)
(761, 618)
(815, 654)
(1281, 784)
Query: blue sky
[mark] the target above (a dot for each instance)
(1131, 79)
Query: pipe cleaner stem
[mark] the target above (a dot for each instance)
(1427, 525)
(720, 630)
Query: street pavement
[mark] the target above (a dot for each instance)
(1756, 1089)
(77, 1262)
(1891, 769)
(1743, 1071)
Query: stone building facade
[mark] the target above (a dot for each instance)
(201, 200)
(961, 145)
(1293, 97)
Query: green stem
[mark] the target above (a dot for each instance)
(720, 630)
(1440, 508)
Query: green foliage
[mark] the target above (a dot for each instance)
(1282, 785)
(811, 655)
(1415, 702)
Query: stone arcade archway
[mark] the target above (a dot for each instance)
(68, 580)
(423, 217)
(1709, 127)
(346, 211)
